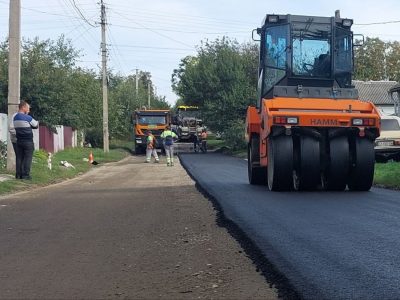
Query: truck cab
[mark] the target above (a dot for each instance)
(144, 120)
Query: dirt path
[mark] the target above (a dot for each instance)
(125, 230)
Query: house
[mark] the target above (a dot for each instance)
(378, 93)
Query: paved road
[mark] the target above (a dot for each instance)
(126, 230)
(329, 245)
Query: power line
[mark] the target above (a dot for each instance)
(182, 31)
(151, 47)
(154, 31)
(80, 13)
(183, 16)
(378, 23)
(114, 49)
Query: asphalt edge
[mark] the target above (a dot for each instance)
(271, 274)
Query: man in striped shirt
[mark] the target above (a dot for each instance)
(23, 124)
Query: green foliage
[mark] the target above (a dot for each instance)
(388, 175)
(62, 94)
(234, 137)
(221, 79)
(3, 154)
(377, 60)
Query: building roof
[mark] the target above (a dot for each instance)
(375, 91)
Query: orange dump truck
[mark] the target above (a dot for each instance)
(309, 130)
(150, 119)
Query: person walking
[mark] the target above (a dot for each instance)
(151, 147)
(204, 141)
(168, 137)
(23, 124)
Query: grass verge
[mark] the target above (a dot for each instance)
(387, 175)
(42, 175)
(213, 144)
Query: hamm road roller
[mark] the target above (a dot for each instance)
(309, 130)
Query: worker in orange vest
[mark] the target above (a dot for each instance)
(203, 139)
(151, 147)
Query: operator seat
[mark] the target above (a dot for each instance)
(322, 66)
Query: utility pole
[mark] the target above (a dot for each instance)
(148, 94)
(104, 68)
(14, 72)
(137, 83)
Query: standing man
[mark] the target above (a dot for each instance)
(204, 140)
(151, 147)
(168, 137)
(23, 124)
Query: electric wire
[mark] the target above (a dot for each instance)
(156, 32)
(81, 14)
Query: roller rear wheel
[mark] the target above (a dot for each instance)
(257, 175)
(280, 163)
(336, 175)
(363, 164)
(307, 175)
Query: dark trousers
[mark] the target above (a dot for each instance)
(24, 158)
(17, 175)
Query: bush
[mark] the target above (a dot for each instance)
(94, 137)
(3, 154)
(234, 137)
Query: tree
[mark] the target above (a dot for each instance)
(377, 60)
(62, 94)
(221, 79)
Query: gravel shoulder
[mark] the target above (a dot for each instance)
(124, 230)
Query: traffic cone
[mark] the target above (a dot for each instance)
(91, 157)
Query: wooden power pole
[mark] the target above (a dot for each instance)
(137, 84)
(148, 94)
(104, 69)
(14, 72)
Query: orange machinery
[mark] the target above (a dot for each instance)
(149, 119)
(309, 130)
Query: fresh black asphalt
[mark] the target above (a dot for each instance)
(329, 245)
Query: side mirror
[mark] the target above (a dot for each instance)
(358, 42)
(258, 31)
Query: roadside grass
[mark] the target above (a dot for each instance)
(42, 175)
(214, 144)
(387, 175)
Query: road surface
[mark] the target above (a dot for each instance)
(127, 230)
(329, 245)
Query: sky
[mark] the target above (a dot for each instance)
(155, 35)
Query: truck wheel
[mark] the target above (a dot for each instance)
(336, 174)
(280, 163)
(307, 175)
(363, 164)
(257, 175)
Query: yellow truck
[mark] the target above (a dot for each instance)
(151, 119)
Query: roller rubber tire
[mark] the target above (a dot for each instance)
(257, 175)
(362, 170)
(308, 170)
(280, 163)
(337, 173)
